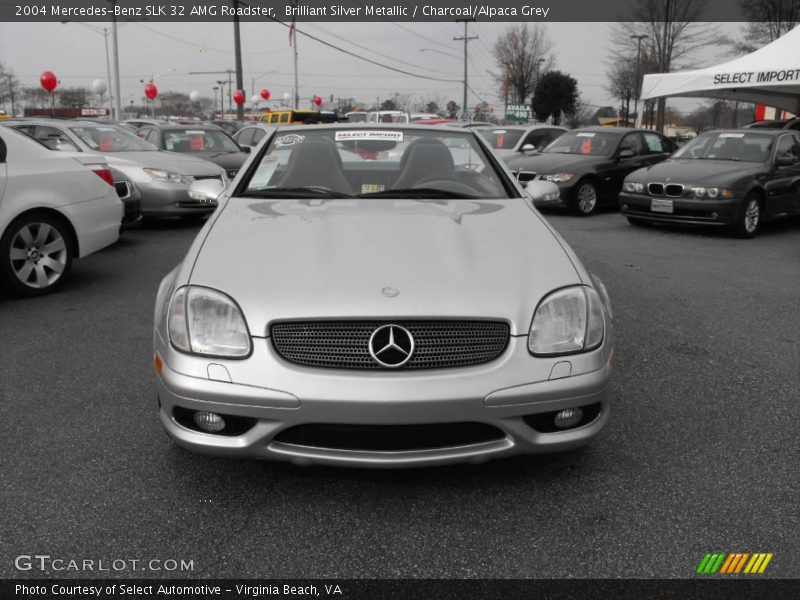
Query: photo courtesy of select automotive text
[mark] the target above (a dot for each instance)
(400, 299)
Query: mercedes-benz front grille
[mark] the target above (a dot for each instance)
(438, 344)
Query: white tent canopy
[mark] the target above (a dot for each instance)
(770, 75)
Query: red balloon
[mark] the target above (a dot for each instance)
(265, 94)
(238, 97)
(48, 81)
(317, 100)
(151, 91)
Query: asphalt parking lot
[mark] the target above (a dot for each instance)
(701, 453)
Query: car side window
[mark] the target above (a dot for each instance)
(52, 137)
(631, 142)
(788, 147)
(152, 137)
(655, 144)
(245, 137)
(538, 138)
(2, 151)
(284, 118)
(258, 135)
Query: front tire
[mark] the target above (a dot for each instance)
(585, 198)
(35, 254)
(748, 222)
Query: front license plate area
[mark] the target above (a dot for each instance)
(662, 206)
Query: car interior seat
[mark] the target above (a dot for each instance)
(425, 160)
(316, 162)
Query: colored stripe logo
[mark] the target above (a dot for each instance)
(734, 563)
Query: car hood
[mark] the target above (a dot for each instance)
(696, 172)
(168, 161)
(550, 162)
(318, 259)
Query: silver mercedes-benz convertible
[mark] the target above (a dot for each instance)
(379, 296)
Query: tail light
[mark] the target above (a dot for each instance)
(103, 173)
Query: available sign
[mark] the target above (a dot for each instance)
(518, 112)
(748, 77)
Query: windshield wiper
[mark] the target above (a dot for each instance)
(294, 192)
(417, 193)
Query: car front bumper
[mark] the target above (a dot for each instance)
(685, 210)
(164, 199)
(501, 394)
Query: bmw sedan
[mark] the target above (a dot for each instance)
(54, 207)
(401, 311)
(590, 164)
(736, 179)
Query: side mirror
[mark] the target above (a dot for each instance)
(528, 148)
(785, 161)
(626, 154)
(206, 190)
(245, 149)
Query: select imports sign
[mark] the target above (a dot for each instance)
(753, 77)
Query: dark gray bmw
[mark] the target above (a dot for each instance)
(733, 178)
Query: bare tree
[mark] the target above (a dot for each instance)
(9, 88)
(674, 34)
(767, 21)
(518, 51)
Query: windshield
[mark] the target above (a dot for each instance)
(198, 140)
(591, 143)
(502, 139)
(111, 139)
(744, 146)
(385, 162)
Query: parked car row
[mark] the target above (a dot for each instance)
(735, 178)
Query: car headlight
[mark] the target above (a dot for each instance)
(712, 193)
(566, 322)
(559, 177)
(161, 175)
(633, 187)
(203, 321)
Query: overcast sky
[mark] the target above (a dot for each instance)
(75, 52)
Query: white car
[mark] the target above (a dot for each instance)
(54, 206)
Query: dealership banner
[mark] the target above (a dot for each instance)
(341, 10)
(743, 588)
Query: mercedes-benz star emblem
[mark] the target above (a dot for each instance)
(390, 292)
(391, 346)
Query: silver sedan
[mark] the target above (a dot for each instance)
(391, 312)
(162, 178)
(53, 207)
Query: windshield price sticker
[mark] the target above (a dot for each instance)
(395, 136)
(731, 135)
(590, 135)
(195, 132)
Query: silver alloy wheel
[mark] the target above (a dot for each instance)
(38, 255)
(587, 197)
(752, 214)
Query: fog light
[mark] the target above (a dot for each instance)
(568, 418)
(714, 215)
(208, 421)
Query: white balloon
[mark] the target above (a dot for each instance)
(194, 96)
(286, 96)
(99, 86)
(255, 99)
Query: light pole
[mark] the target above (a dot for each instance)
(466, 39)
(539, 64)
(638, 39)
